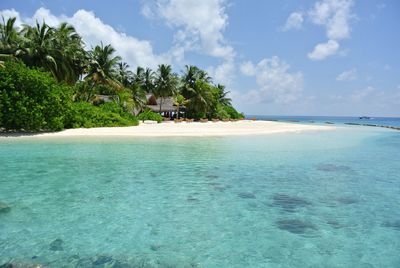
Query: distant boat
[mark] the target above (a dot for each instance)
(364, 117)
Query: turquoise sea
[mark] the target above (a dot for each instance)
(338, 120)
(312, 199)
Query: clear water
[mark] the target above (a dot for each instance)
(328, 199)
(341, 120)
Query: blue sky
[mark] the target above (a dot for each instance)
(320, 57)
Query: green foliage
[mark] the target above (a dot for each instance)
(138, 97)
(102, 67)
(109, 114)
(126, 100)
(233, 114)
(221, 113)
(104, 89)
(150, 115)
(31, 100)
(165, 83)
(201, 99)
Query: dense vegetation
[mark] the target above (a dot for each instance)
(31, 99)
(110, 114)
(48, 81)
(150, 115)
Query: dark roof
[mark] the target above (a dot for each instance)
(167, 105)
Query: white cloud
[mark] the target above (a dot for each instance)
(43, 14)
(11, 13)
(294, 21)
(223, 73)
(199, 24)
(134, 51)
(335, 16)
(347, 75)
(247, 68)
(275, 82)
(93, 31)
(324, 50)
(147, 12)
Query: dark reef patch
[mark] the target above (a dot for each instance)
(347, 200)
(218, 186)
(101, 260)
(295, 226)
(21, 264)
(392, 224)
(333, 168)
(212, 176)
(155, 247)
(247, 195)
(289, 203)
(334, 224)
(4, 208)
(57, 245)
(191, 198)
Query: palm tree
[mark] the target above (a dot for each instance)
(144, 78)
(57, 50)
(179, 101)
(138, 97)
(69, 53)
(165, 83)
(9, 39)
(125, 76)
(38, 46)
(138, 76)
(201, 98)
(189, 78)
(101, 68)
(222, 95)
(148, 85)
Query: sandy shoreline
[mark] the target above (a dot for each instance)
(171, 129)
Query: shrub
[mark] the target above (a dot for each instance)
(108, 114)
(150, 115)
(221, 113)
(233, 114)
(31, 99)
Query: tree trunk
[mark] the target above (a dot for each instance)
(160, 103)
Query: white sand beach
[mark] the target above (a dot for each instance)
(195, 129)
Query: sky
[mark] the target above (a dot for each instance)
(282, 57)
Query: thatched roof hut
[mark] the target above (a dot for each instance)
(167, 104)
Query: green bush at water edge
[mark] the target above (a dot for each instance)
(84, 114)
(150, 115)
(233, 114)
(31, 100)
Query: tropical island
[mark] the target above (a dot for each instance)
(50, 82)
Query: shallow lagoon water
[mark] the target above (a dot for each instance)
(312, 199)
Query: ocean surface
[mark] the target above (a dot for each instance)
(312, 199)
(339, 120)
